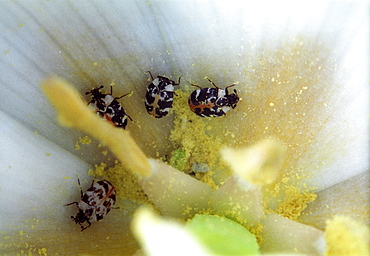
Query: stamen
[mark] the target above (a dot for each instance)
(72, 112)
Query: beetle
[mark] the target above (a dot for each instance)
(212, 102)
(95, 203)
(107, 107)
(159, 95)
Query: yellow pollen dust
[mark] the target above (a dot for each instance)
(124, 181)
(197, 152)
(86, 140)
(295, 202)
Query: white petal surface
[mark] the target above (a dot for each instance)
(349, 198)
(37, 178)
(282, 235)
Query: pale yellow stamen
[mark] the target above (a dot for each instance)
(259, 164)
(345, 236)
(73, 112)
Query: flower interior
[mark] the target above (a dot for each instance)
(281, 115)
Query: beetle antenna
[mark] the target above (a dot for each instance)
(193, 84)
(150, 73)
(213, 83)
(116, 98)
(178, 82)
(230, 86)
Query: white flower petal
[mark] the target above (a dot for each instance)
(38, 177)
(349, 198)
(281, 235)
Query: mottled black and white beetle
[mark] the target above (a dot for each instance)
(159, 95)
(107, 107)
(97, 201)
(212, 102)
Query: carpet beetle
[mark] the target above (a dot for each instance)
(107, 107)
(95, 203)
(159, 96)
(212, 102)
